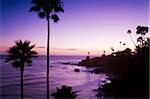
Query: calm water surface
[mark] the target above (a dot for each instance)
(35, 78)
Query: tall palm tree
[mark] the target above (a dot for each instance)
(129, 32)
(20, 55)
(47, 9)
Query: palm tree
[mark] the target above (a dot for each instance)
(20, 55)
(120, 45)
(65, 92)
(124, 44)
(112, 49)
(129, 32)
(47, 9)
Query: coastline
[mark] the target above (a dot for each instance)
(124, 69)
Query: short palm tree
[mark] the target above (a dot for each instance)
(20, 55)
(47, 9)
(65, 92)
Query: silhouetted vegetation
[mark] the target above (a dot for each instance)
(21, 55)
(105, 89)
(64, 92)
(128, 70)
(47, 9)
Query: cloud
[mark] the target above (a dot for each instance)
(41, 47)
(56, 48)
(71, 49)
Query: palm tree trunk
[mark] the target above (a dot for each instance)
(21, 71)
(132, 41)
(48, 23)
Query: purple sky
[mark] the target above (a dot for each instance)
(86, 25)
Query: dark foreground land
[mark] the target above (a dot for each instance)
(128, 72)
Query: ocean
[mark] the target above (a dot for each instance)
(84, 82)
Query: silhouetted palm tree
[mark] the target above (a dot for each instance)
(47, 9)
(124, 44)
(112, 49)
(129, 32)
(20, 55)
(120, 45)
(65, 92)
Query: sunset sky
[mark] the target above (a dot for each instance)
(86, 25)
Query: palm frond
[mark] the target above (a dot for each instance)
(55, 18)
(33, 52)
(18, 43)
(129, 31)
(42, 14)
(139, 39)
(32, 46)
(59, 9)
(16, 64)
(14, 53)
(38, 2)
(29, 62)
